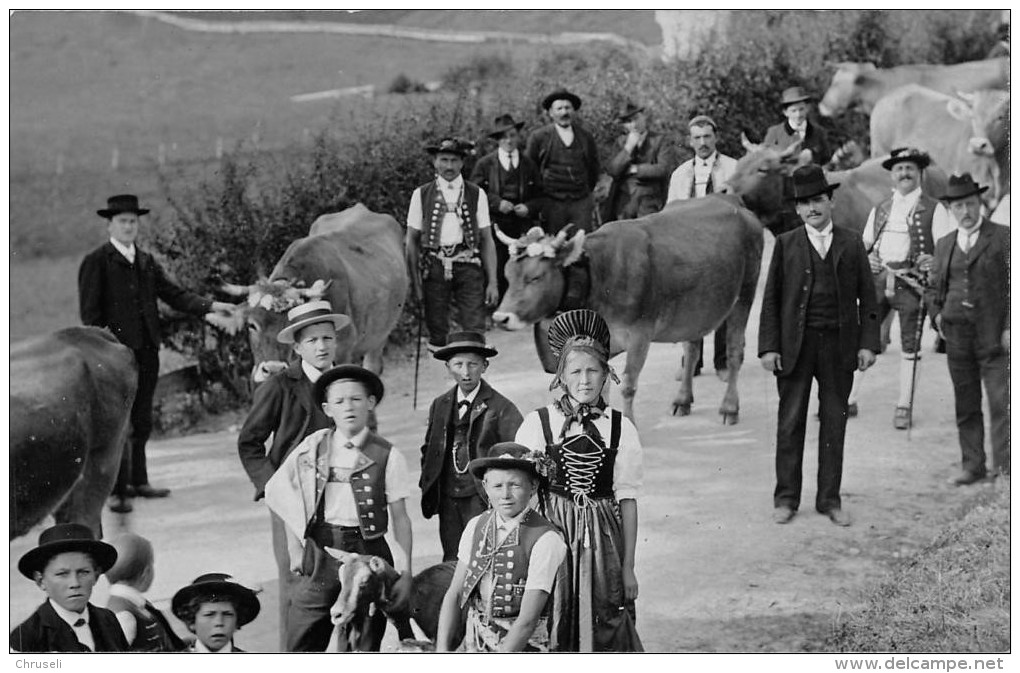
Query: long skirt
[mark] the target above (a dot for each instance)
(589, 613)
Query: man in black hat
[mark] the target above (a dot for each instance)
(900, 237)
(118, 284)
(463, 423)
(819, 321)
(640, 168)
(970, 306)
(513, 186)
(796, 105)
(65, 566)
(449, 246)
(568, 158)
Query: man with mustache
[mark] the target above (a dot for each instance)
(569, 161)
(819, 321)
(970, 306)
(900, 238)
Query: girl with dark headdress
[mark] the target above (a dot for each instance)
(592, 494)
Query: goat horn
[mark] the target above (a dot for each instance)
(235, 290)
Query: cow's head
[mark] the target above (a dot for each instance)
(365, 586)
(264, 313)
(535, 274)
(845, 90)
(759, 175)
(988, 114)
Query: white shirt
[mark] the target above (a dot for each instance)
(311, 372)
(84, 632)
(566, 134)
(821, 240)
(966, 240)
(469, 398)
(721, 168)
(628, 470)
(450, 232)
(546, 556)
(127, 250)
(894, 241)
(339, 507)
(128, 623)
(508, 160)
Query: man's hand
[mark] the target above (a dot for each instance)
(521, 210)
(630, 585)
(492, 294)
(505, 206)
(1005, 340)
(876, 263)
(633, 140)
(772, 362)
(925, 262)
(401, 592)
(865, 358)
(937, 321)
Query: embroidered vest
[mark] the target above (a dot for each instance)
(368, 483)
(584, 468)
(433, 207)
(918, 226)
(508, 562)
(150, 636)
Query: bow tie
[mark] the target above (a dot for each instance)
(464, 403)
(81, 622)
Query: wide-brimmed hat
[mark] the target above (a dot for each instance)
(561, 94)
(794, 94)
(511, 456)
(918, 157)
(310, 313)
(465, 342)
(218, 584)
(960, 187)
(809, 181)
(372, 382)
(502, 124)
(703, 120)
(581, 326)
(627, 112)
(122, 203)
(450, 146)
(66, 537)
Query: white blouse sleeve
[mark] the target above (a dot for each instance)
(530, 433)
(629, 469)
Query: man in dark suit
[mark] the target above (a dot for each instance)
(65, 566)
(641, 167)
(283, 408)
(463, 423)
(796, 105)
(118, 285)
(513, 186)
(819, 320)
(970, 306)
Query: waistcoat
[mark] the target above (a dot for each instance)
(584, 467)
(959, 304)
(918, 226)
(368, 482)
(822, 305)
(433, 207)
(150, 635)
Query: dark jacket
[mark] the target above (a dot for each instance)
(782, 136)
(492, 419)
(45, 631)
(988, 278)
(487, 175)
(784, 304)
(283, 408)
(644, 192)
(113, 293)
(540, 145)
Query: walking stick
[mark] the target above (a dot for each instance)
(417, 358)
(917, 357)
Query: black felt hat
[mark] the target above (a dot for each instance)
(561, 94)
(918, 157)
(465, 342)
(218, 584)
(372, 382)
(66, 537)
(960, 187)
(809, 181)
(122, 203)
(508, 456)
(502, 124)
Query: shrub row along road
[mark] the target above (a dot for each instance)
(715, 573)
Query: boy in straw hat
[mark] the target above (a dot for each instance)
(283, 409)
(213, 607)
(65, 566)
(340, 488)
(145, 627)
(509, 560)
(463, 423)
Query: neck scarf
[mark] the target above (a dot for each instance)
(584, 415)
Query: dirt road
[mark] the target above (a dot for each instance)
(716, 574)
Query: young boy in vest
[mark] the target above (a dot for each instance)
(449, 247)
(145, 627)
(509, 558)
(65, 566)
(214, 607)
(334, 490)
(463, 423)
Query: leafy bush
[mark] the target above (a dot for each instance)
(404, 84)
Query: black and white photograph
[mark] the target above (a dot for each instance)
(460, 331)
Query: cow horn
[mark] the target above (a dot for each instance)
(748, 145)
(235, 290)
(790, 151)
(316, 291)
(504, 239)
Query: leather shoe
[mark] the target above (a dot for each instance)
(147, 491)
(902, 420)
(838, 517)
(120, 505)
(966, 479)
(782, 514)
(130, 491)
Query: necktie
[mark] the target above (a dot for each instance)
(708, 184)
(80, 623)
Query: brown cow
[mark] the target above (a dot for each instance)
(71, 396)
(354, 260)
(962, 136)
(670, 276)
(862, 85)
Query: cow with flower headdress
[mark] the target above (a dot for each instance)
(672, 276)
(354, 260)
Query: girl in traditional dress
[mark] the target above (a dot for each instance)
(592, 495)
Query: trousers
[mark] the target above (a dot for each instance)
(466, 290)
(454, 513)
(558, 214)
(133, 468)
